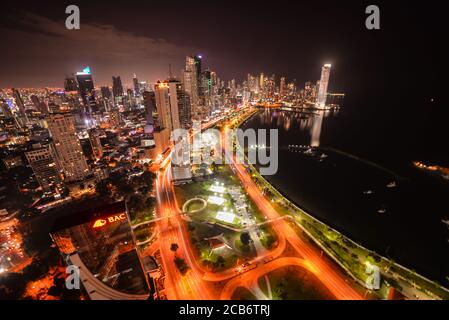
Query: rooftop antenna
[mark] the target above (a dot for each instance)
(170, 74)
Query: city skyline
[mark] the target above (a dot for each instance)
(228, 151)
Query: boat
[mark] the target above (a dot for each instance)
(392, 185)
(382, 210)
(368, 192)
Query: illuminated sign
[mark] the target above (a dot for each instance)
(86, 70)
(102, 222)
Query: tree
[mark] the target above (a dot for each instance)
(174, 247)
(245, 238)
(220, 261)
(181, 265)
(150, 202)
(102, 189)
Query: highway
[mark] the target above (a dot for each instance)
(198, 283)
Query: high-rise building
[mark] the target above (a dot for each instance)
(117, 87)
(136, 85)
(161, 90)
(95, 143)
(106, 93)
(322, 89)
(40, 105)
(42, 159)
(190, 79)
(282, 87)
(68, 147)
(70, 84)
(6, 110)
(100, 242)
(19, 101)
(86, 88)
(149, 102)
(179, 105)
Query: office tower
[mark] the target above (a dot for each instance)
(40, 105)
(179, 105)
(19, 101)
(86, 88)
(105, 93)
(100, 242)
(161, 90)
(190, 79)
(282, 87)
(261, 81)
(322, 89)
(198, 62)
(149, 102)
(42, 159)
(6, 110)
(117, 87)
(147, 139)
(136, 85)
(95, 143)
(70, 84)
(68, 147)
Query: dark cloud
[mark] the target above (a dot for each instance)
(42, 51)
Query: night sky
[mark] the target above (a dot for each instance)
(292, 38)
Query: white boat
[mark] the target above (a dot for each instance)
(392, 185)
(383, 210)
(368, 192)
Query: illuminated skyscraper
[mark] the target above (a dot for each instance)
(190, 79)
(161, 90)
(86, 88)
(282, 87)
(149, 101)
(117, 87)
(68, 147)
(136, 85)
(179, 105)
(70, 84)
(324, 82)
(42, 160)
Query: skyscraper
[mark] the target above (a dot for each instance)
(19, 101)
(282, 87)
(179, 105)
(149, 101)
(161, 90)
(322, 89)
(68, 147)
(190, 79)
(70, 84)
(42, 159)
(136, 85)
(117, 87)
(106, 93)
(86, 86)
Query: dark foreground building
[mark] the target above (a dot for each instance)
(100, 242)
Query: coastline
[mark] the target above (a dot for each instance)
(401, 272)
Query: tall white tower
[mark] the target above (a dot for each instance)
(322, 89)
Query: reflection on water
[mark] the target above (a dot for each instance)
(408, 228)
(309, 122)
